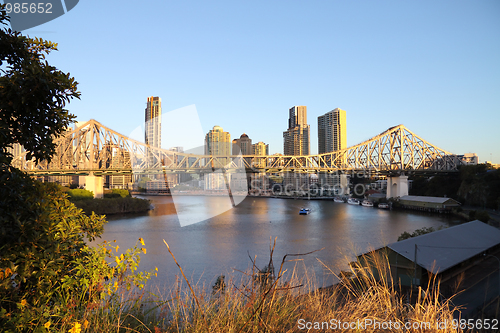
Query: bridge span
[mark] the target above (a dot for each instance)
(95, 150)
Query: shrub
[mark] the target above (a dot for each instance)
(80, 194)
(47, 272)
(123, 193)
(114, 205)
(116, 193)
(482, 216)
(417, 232)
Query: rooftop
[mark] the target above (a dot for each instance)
(425, 199)
(439, 250)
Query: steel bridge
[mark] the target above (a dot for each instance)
(94, 149)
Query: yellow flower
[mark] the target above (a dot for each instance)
(23, 302)
(142, 241)
(156, 269)
(117, 247)
(85, 324)
(117, 259)
(143, 250)
(7, 272)
(77, 328)
(47, 325)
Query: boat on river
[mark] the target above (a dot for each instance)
(383, 205)
(353, 201)
(367, 203)
(304, 211)
(337, 199)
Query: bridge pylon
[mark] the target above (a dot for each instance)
(397, 186)
(95, 184)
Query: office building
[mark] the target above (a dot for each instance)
(243, 145)
(332, 131)
(296, 139)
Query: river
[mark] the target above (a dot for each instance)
(217, 245)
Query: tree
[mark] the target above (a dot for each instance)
(33, 94)
(416, 233)
(46, 268)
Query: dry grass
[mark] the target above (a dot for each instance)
(278, 301)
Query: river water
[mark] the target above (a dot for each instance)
(220, 244)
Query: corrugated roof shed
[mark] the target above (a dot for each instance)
(439, 250)
(427, 199)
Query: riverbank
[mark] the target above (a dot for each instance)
(111, 206)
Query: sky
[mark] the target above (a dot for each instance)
(433, 66)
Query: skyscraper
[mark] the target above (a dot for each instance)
(296, 140)
(153, 122)
(332, 131)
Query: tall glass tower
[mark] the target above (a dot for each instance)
(153, 122)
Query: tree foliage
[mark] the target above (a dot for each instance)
(80, 194)
(47, 271)
(33, 94)
(475, 185)
(417, 232)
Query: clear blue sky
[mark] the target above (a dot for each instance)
(433, 66)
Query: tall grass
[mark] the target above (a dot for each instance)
(276, 300)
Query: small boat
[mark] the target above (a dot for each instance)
(353, 201)
(304, 211)
(367, 203)
(383, 205)
(337, 199)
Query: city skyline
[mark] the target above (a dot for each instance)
(430, 66)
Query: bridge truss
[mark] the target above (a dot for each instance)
(97, 149)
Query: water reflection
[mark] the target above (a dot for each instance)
(219, 244)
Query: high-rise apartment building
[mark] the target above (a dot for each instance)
(217, 143)
(296, 140)
(243, 145)
(260, 149)
(153, 122)
(332, 131)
